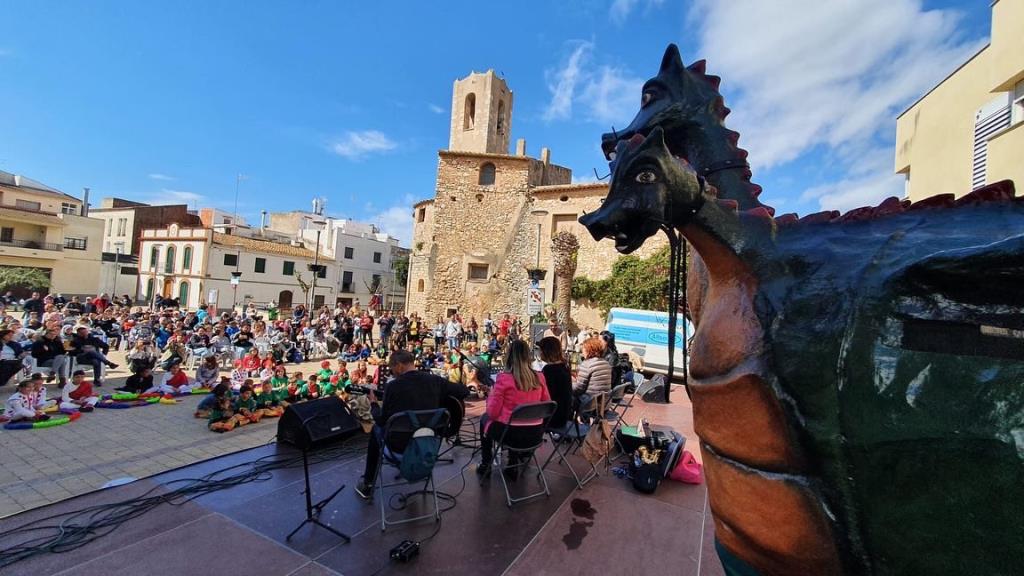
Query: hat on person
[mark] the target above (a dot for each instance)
(483, 370)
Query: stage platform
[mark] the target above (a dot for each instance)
(606, 528)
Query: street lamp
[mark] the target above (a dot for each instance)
(539, 214)
(318, 209)
(117, 266)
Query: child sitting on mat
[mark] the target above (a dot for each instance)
(311, 390)
(245, 404)
(223, 417)
(77, 394)
(139, 382)
(238, 376)
(19, 406)
(210, 402)
(294, 390)
(279, 383)
(39, 399)
(266, 402)
(175, 381)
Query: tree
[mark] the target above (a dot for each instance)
(12, 277)
(401, 268)
(634, 283)
(302, 286)
(564, 249)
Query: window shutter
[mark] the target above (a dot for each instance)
(989, 119)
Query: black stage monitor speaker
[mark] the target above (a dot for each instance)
(315, 422)
(653, 390)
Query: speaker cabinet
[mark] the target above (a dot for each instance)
(316, 422)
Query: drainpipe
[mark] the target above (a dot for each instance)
(85, 202)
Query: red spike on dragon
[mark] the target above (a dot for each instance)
(857, 380)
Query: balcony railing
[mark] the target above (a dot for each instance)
(33, 245)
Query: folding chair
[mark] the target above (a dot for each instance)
(619, 405)
(524, 417)
(568, 440)
(398, 431)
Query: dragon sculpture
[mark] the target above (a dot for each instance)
(857, 380)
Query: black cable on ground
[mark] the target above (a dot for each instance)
(67, 531)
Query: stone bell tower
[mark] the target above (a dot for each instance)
(481, 114)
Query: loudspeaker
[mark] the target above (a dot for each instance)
(315, 422)
(653, 390)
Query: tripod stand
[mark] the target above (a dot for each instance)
(313, 510)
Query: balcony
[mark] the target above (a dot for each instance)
(31, 244)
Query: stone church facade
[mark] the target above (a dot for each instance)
(493, 215)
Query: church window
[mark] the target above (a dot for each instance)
(469, 116)
(478, 272)
(419, 285)
(487, 174)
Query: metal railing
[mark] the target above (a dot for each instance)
(31, 244)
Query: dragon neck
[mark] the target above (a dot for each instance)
(716, 156)
(729, 244)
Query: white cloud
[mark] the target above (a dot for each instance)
(869, 180)
(805, 74)
(169, 196)
(621, 9)
(357, 145)
(397, 220)
(612, 95)
(562, 83)
(435, 108)
(162, 177)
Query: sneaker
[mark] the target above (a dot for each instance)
(365, 492)
(111, 365)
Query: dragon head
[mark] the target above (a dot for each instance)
(682, 101)
(650, 189)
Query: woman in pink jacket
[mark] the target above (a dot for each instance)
(518, 384)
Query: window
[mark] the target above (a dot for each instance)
(149, 289)
(322, 271)
(28, 205)
(375, 282)
(501, 117)
(183, 293)
(169, 262)
(487, 174)
(68, 208)
(231, 259)
(288, 269)
(989, 119)
(75, 243)
(469, 116)
(478, 272)
(6, 234)
(376, 257)
(110, 226)
(122, 226)
(261, 266)
(421, 214)
(154, 257)
(186, 258)
(346, 281)
(419, 285)
(349, 253)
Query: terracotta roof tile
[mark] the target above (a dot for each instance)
(265, 246)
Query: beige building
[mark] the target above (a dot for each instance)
(493, 215)
(196, 266)
(969, 130)
(41, 227)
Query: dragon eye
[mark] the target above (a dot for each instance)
(647, 177)
(646, 99)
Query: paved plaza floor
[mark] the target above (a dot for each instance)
(49, 465)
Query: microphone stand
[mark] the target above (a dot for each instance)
(313, 510)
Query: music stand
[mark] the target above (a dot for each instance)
(313, 510)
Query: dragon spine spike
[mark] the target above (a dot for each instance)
(787, 219)
(714, 81)
(728, 204)
(698, 67)
(760, 212)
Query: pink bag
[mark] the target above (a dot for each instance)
(688, 470)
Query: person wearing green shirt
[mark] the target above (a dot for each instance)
(279, 383)
(245, 404)
(267, 403)
(223, 417)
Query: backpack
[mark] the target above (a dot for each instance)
(421, 453)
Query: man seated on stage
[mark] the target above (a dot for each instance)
(411, 389)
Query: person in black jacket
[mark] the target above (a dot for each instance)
(411, 389)
(558, 379)
(49, 353)
(88, 349)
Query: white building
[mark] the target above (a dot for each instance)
(197, 265)
(363, 253)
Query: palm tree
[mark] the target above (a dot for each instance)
(564, 249)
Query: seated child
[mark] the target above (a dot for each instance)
(267, 361)
(238, 376)
(77, 394)
(311, 390)
(359, 375)
(212, 400)
(245, 405)
(266, 374)
(294, 390)
(19, 406)
(139, 382)
(208, 373)
(252, 362)
(39, 399)
(324, 375)
(267, 405)
(223, 417)
(175, 381)
(279, 383)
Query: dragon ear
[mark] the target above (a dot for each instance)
(656, 139)
(671, 61)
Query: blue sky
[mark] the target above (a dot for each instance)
(168, 103)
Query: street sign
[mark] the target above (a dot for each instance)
(534, 301)
(235, 280)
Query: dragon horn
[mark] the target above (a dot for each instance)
(671, 60)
